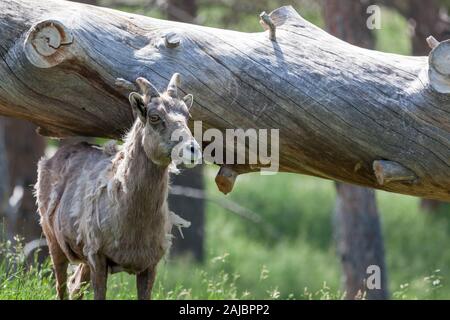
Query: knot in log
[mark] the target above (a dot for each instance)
(171, 40)
(46, 43)
(391, 171)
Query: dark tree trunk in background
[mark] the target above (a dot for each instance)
(4, 181)
(346, 20)
(425, 17)
(359, 240)
(190, 209)
(357, 224)
(182, 10)
(24, 148)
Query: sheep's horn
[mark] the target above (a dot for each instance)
(147, 88)
(172, 88)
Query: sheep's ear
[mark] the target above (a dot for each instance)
(188, 100)
(138, 106)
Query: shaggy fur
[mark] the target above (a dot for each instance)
(106, 210)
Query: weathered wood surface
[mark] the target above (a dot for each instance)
(339, 108)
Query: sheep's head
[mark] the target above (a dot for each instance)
(164, 117)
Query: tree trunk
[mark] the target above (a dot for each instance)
(344, 113)
(182, 10)
(360, 244)
(425, 19)
(23, 150)
(4, 182)
(192, 210)
(346, 20)
(357, 225)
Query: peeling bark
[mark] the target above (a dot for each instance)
(339, 108)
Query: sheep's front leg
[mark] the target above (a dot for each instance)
(99, 276)
(144, 282)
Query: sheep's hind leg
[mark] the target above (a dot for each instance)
(60, 264)
(144, 282)
(99, 276)
(78, 281)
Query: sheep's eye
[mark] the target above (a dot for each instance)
(154, 118)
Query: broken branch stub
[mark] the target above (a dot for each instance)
(225, 179)
(390, 171)
(171, 40)
(432, 42)
(267, 23)
(47, 43)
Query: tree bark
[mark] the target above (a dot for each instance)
(359, 241)
(190, 209)
(339, 108)
(356, 220)
(24, 148)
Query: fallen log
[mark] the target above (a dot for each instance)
(339, 108)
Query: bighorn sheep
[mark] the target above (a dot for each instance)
(107, 209)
